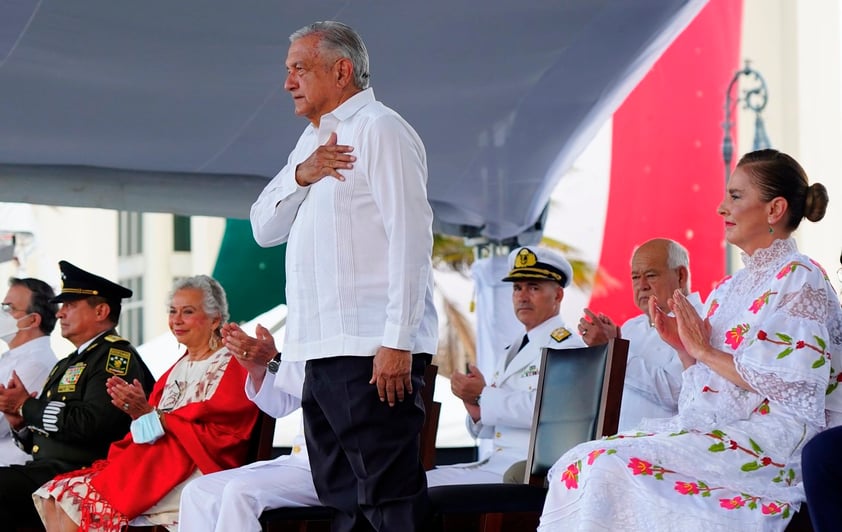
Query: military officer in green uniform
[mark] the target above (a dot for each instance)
(73, 421)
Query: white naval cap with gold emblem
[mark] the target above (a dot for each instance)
(539, 263)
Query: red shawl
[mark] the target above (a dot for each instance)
(212, 435)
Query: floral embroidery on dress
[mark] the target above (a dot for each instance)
(763, 409)
(787, 476)
(626, 436)
(735, 336)
(713, 306)
(821, 269)
(820, 346)
(790, 267)
(639, 467)
(833, 381)
(593, 455)
(761, 301)
(570, 477)
(724, 443)
(732, 504)
(744, 500)
(642, 467)
(688, 488)
(721, 282)
(771, 508)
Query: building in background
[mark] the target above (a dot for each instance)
(798, 48)
(142, 251)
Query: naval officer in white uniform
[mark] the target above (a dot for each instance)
(500, 407)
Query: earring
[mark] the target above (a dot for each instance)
(771, 230)
(213, 343)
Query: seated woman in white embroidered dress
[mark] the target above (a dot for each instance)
(760, 380)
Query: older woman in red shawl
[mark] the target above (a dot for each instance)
(197, 421)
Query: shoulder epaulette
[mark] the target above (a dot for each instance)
(560, 334)
(113, 338)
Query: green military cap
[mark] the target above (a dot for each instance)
(76, 283)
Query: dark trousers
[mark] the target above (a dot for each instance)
(821, 461)
(17, 482)
(364, 454)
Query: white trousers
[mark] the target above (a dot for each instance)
(234, 499)
(472, 473)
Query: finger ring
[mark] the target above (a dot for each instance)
(126, 406)
(245, 354)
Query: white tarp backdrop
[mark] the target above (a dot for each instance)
(179, 106)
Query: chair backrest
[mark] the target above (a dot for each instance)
(432, 411)
(262, 437)
(579, 396)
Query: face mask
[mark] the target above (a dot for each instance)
(8, 326)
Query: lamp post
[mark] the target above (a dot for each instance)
(754, 97)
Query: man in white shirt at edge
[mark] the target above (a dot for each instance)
(26, 320)
(653, 371)
(502, 407)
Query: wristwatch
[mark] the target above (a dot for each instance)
(476, 401)
(274, 364)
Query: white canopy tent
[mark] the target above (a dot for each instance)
(179, 106)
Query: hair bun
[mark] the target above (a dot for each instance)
(815, 202)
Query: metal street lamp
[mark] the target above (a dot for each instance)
(754, 97)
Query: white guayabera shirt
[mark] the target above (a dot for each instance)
(358, 260)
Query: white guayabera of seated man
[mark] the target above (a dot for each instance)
(659, 267)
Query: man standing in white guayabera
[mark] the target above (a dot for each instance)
(351, 204)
